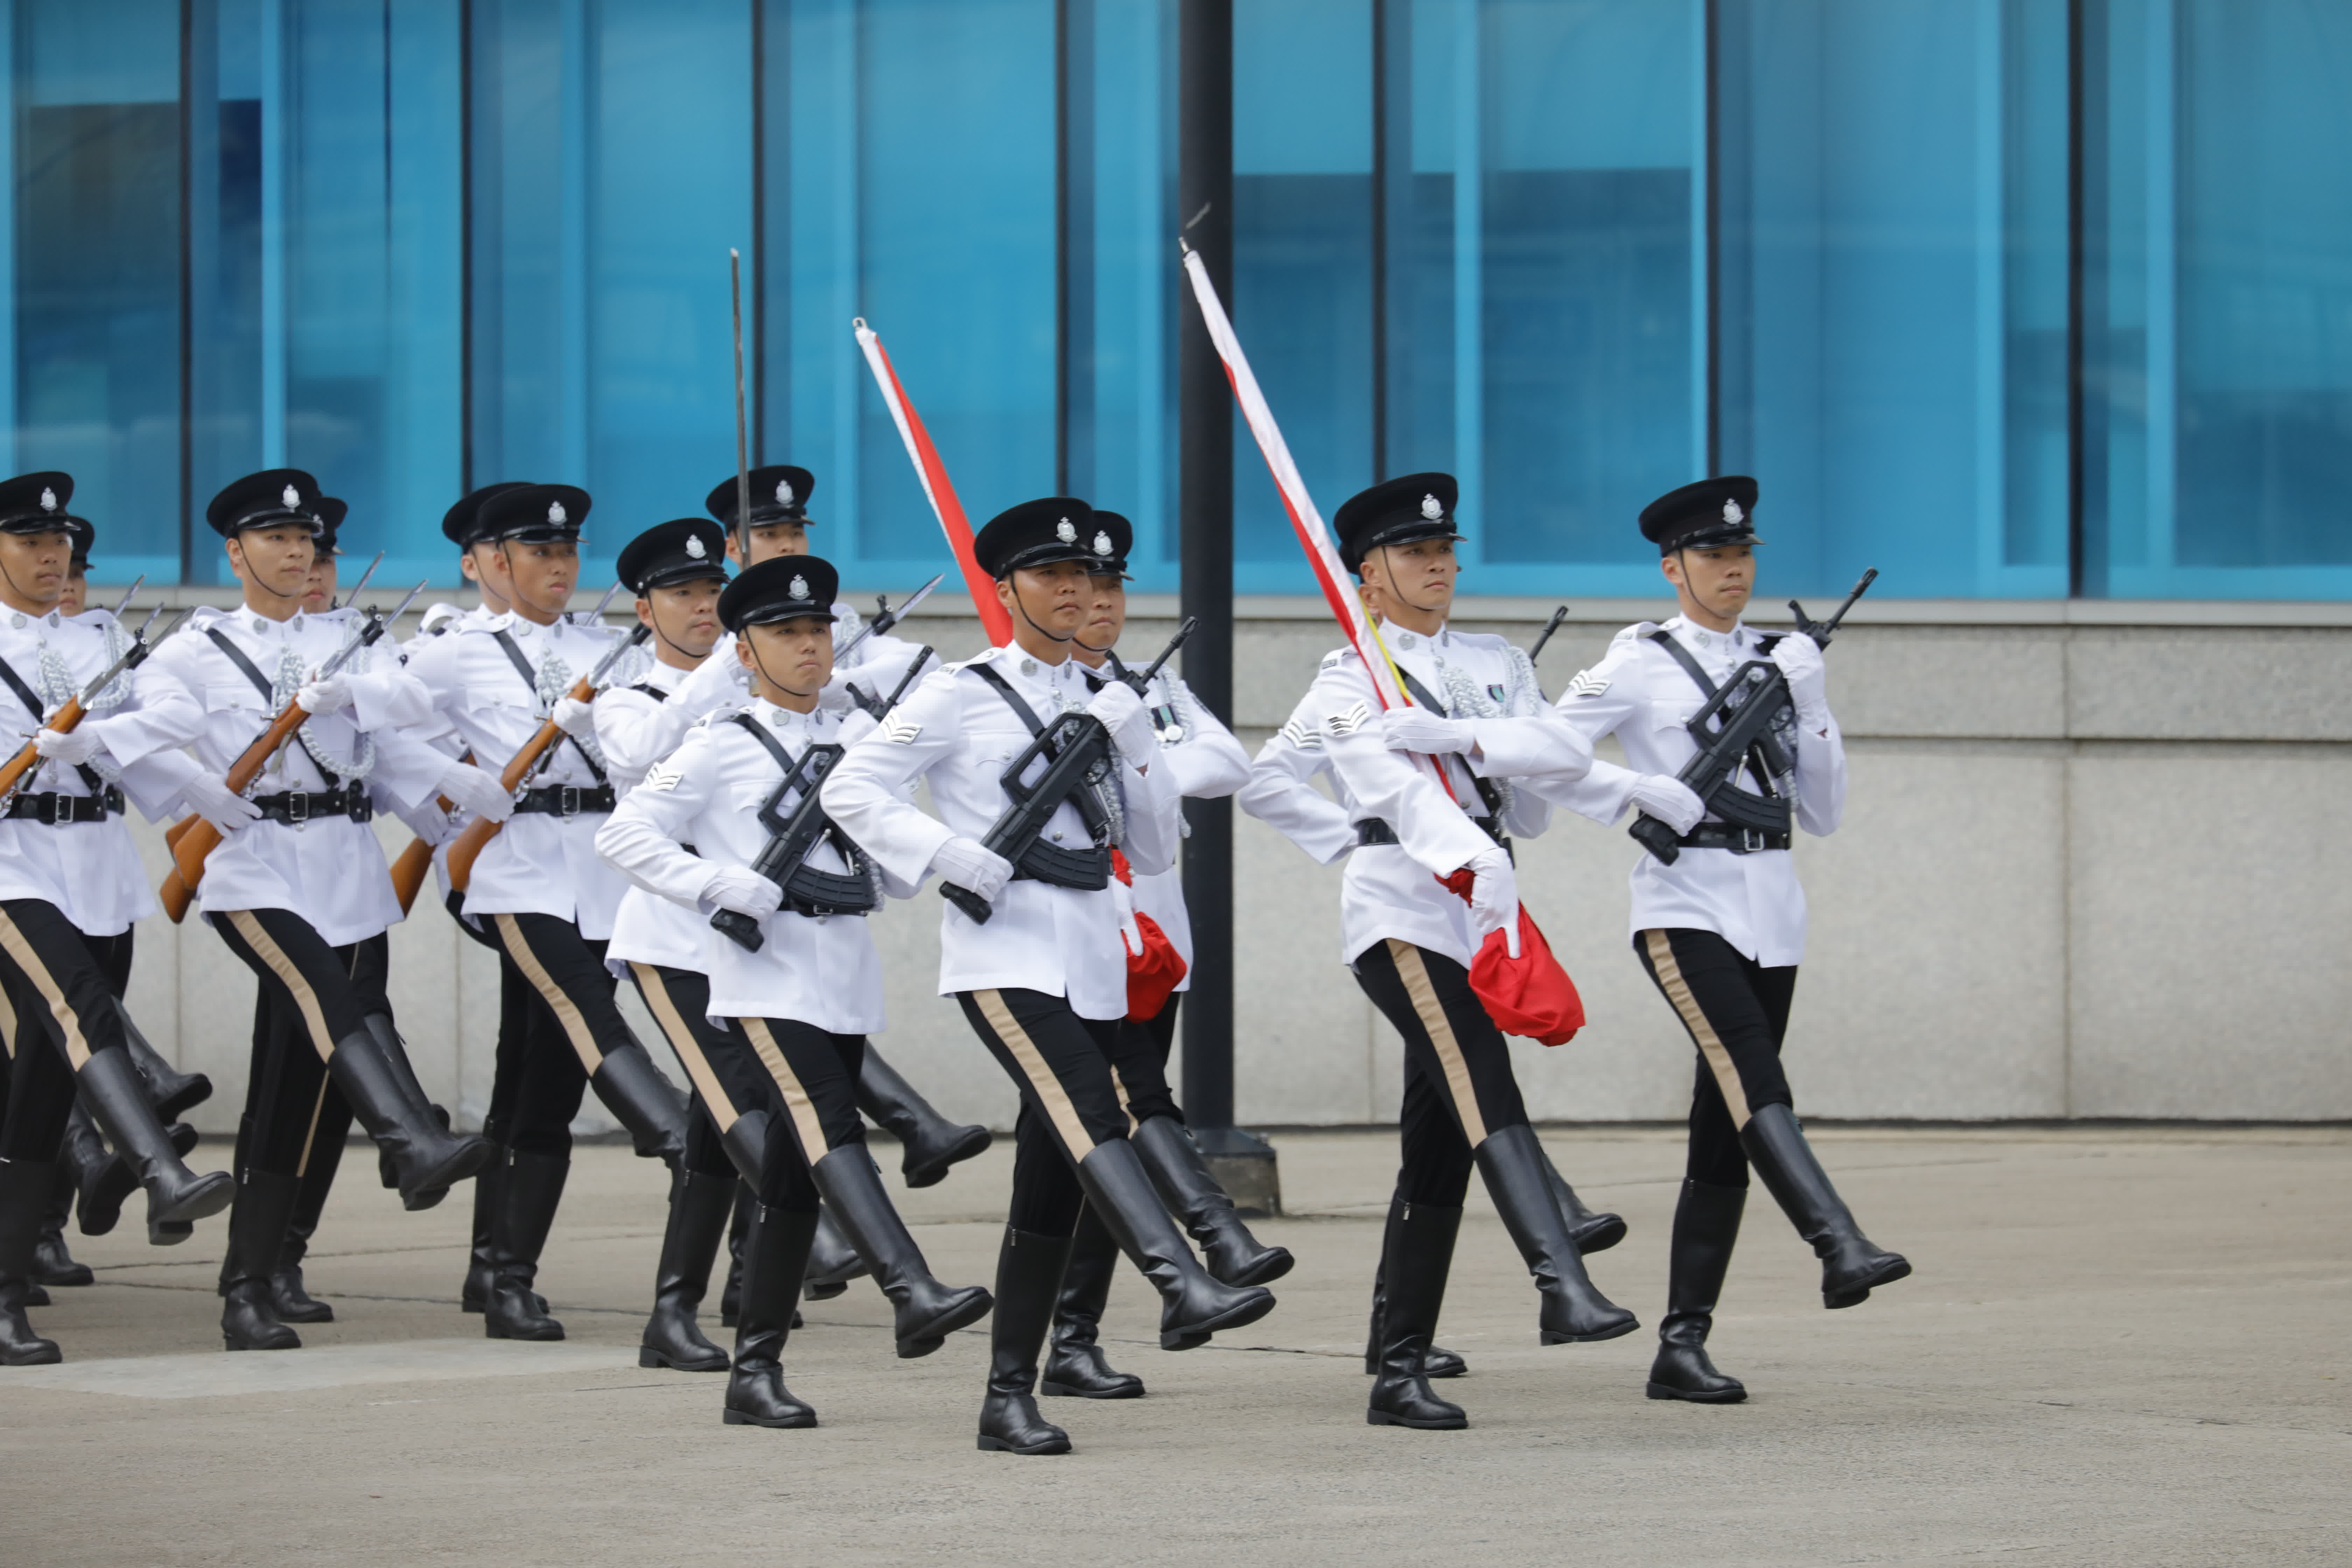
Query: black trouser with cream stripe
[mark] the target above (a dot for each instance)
(61, 986)
(1737, 1011)
(574, 1020)
(322, 994)
(1458, 1086)
(1139, 1064)
(808, 1086)
(1069, 1099)
(725, 1079)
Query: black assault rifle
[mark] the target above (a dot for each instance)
(1078, 751)
(1744, 712)
(784, 861)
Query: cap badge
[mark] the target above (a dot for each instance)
(784, 492)
(291, 497)
(1102, 542)
(48, 499)
(1731, 512)
(694, 546)
(799, 586)
(1067, 531)
(555, 513)
(1430, 510)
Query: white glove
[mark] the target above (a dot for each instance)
(1494, 897)
(213, 800)
(575, 718)
(72, 747)
(1800, 659)
(743, 891)
(323, 696)
(974, 867)
(1669, 800)
(1122, 712)
(1429, 734)
(472, 789)
(855, 726)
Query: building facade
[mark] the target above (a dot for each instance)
(2014, 299)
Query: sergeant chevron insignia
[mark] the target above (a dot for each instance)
(1587, 684)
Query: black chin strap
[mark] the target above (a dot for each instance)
(762, 665)
(653, 616)
(1022, 605)
(1684, 560)
(1388, 570)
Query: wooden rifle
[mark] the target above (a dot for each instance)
(70, 716)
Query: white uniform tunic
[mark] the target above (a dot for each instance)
(1640, 694)
(721, 681)
(631, 723)
(820, 970)
(539, 863)
(90, 871)
(1391, 890)
(1207, 764)
(956, 731)
(329, 870)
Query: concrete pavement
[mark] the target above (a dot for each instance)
(2121, 1346)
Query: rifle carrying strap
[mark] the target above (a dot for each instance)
(1028, 715)
(1713, 835)
(531, 680)
(269, 690)
(1489, 795)
(775, 748)
(32, 701)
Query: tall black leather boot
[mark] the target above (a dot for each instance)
(403, 1073)
(929, 1142)
(1574, 1311)
(257, 1230)
(1419, 1248)
(643, 1101)
(1436, 1361)
(104, 1181)
(1193, 1304)
(289, 1298)
(1028, 1284)
(774, 1253)
(171, 1091)
(1591, 1231)
(699, 1206)
(832, 1261)
(926, 1310)
(117, 1097)
(53, 1261)
(526, 1212)
(739, 1230)
(746, 1143)
(24, 1193)
(481, 1263)
(1074, 1366)
(1706, 1222)
(1227, 1248)
(1851, 1266)
(429, 1158)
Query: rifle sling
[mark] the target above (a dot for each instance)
(269, 690)
(1087, 870)
(1489, 795)
(32, 701)
(1708, 687)
(838, 897)
(531, 680)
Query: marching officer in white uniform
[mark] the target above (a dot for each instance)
(71, 885)
(298, 887)
(1208, 762)
(676, 571)
(1477, 714)
(1043, 979)
(1721, 928)
(801, 1002)
(540, 887)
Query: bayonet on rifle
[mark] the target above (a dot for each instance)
(885, 617)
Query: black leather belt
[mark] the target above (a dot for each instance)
(297, 806)
(56, 809)
(564, 800)
(1738, 840)
(1373, 830)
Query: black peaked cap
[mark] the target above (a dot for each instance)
(83, 533)
(1122, 542)
(1039, 533)
(1704, 516)
(781, 588)
(533, 514)
(684, 550)
(266, 500)
(1401, 511)
(458, 524)
(36, 503)
(780, 493)
(332, 510)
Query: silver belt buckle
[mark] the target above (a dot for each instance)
(1751, 841)
(297, 807)
(567, 800)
